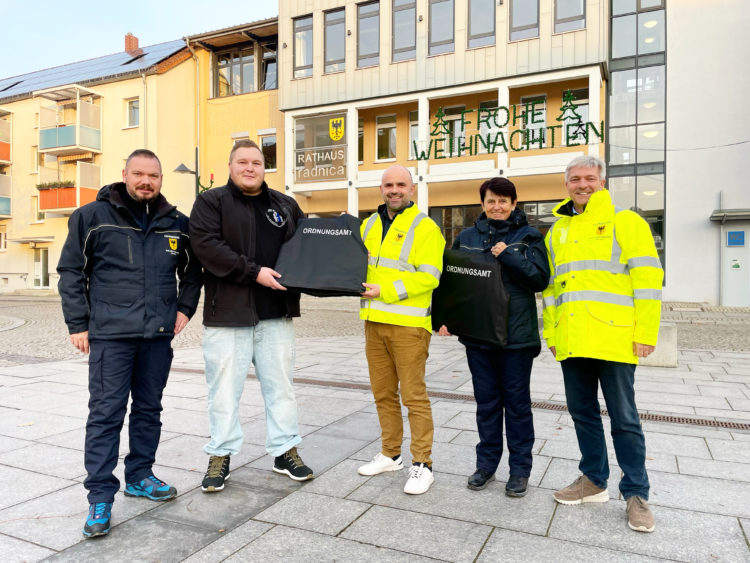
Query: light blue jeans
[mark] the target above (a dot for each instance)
(228, 352)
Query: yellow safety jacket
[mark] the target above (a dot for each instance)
(605, 285)
(406, 265)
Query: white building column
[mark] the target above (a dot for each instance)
(503, 100)
(423, 134)
(352, 160)
(595, 148)
(290, 143)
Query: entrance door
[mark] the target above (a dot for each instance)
(735, 267)
(41, 267)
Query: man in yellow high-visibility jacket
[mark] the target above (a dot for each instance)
(404, 266)
(601, 313)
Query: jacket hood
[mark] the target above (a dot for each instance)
(597, 199)
(113, 194)
(516, 219)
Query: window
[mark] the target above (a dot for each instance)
(487, 126)
(413, 133)
(535, 123)
(361, 141)
(386, 144)
(368, 34)
(524, 19)
(268, 148)
(404, 30)
(453, 220)
(268, 76)
(481, 23)
(455, 131)
(37, 159)
(575, 129)
(37, 216)
(133, 110)
(569, 15)
(441, 27)
(335, 40)
(3, 241)
(303, 43)
(235, 72)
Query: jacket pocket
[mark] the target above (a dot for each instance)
(612, 315)
(118, 312)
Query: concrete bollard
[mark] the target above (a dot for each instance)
(665, 354)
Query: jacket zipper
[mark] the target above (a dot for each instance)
(130, 249)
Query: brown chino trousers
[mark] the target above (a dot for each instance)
(397, 355)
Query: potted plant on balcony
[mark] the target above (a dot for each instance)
(56, 184)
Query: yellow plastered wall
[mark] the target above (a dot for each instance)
(221, 117)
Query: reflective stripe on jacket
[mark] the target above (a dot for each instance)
(406, 265)
(605, 285)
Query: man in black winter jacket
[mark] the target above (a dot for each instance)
(121, 301)
(237, 231)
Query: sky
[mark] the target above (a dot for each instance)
(45, 33)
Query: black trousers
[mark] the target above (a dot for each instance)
(501, 381)
(119, 369)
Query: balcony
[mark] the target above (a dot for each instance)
(4, 137)
(72, 125)
(5, 185)
(62, 195)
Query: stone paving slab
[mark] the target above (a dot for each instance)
(282, 543)
(507, 545)
(422, 534)
(313, 512)
(680, 535)
(230, 543)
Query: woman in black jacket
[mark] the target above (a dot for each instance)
(501, 376)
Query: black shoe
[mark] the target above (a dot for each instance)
(291, 464)
(516, 486)
(216, 474)
(479, 480)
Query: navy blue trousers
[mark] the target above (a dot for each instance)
(119, 369)
(501, 386)
(582, 379)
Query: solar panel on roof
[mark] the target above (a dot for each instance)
(83, 71)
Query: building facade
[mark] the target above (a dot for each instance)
(458, 91)
(66, 131)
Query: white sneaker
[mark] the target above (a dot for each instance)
(380, 464)
(419, 481)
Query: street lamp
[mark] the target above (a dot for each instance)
(199, 188)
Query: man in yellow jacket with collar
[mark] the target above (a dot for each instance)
(601, 313)
(405, 261)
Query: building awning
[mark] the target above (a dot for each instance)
(27, 240)
(724, 215)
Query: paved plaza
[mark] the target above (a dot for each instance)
(696, 418)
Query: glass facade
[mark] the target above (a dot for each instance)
(637, 109)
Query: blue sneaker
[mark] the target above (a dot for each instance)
(97, 522)
(151, 488)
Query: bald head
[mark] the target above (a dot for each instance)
(397, 189)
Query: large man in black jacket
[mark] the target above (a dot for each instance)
(120, 298)
(237, 231)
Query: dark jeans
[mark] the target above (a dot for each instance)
(501, 383)
(117, 370)
(582, 378)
